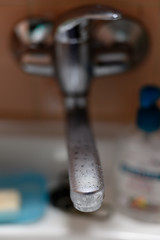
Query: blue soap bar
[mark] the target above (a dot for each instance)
(32, 190)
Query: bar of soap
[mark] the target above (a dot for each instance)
(23, 197)
(10, 200)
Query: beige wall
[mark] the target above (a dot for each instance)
(111, 99)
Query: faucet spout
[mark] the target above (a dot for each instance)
(85, 173)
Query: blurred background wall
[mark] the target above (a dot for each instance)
(111, 99)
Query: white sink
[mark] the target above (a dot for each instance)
(40, 146)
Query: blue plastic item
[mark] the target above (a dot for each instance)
(32, 188)
(149, 95)
(148, 119)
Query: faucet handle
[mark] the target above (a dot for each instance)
(73, 47)
(72, 27)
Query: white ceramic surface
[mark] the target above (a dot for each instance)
(36, 146)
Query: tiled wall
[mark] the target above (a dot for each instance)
(111, 99)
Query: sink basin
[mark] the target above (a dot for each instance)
(40, 146)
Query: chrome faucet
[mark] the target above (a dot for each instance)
(81, 52)
(74, 71)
